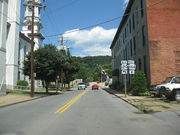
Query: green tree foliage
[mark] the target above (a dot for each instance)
(89, 69)
(139, 84)
(49, 63)
(71, 67)
(22, 83)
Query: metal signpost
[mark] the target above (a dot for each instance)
(127, 67)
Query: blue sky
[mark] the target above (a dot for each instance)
(61, 16)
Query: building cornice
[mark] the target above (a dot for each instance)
(37, 35)
(3, 50)
(24, 37)
(123, 21)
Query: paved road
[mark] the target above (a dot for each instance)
(88, 113)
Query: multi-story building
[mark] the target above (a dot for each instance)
(12, 43)
(24, 49)
(3, 35)
(149, 33)
(14, 46)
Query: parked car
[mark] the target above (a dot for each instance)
(170, 88)
(95, 87)
(81, 86)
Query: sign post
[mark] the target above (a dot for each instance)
(125, 65)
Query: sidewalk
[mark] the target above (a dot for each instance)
(10, 99)
(147, 104)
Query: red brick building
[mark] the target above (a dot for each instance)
(150, 35)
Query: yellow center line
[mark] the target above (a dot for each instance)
(70, 103)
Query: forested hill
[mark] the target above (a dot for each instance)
(90, 67)
(91, 61)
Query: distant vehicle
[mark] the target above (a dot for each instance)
(170, 88)
(81, 86)
(95, 87)
(87, 84)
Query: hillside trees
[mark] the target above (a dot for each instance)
(89, 69)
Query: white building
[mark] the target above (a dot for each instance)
(14, 46)
(24, 49)
(26, 29)
(12, 43)
(3, 34)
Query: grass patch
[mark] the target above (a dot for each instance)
(16, 92)
(145, 108)
(165, 107)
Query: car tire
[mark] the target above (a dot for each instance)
(177, 95)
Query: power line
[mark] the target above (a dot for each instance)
(107, 21)
(66, 5)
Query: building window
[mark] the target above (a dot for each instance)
(137, 16)
(125, 33)
(142, 10)
(134, 41)
(19, 75)
(123, 38)
(133, 21)
(29, 27)
(144, 63)
(130, 25)
(140, 64)
(25, 50)
(131, 50)
(143, 36)
(126, 52)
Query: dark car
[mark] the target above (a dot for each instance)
(95, 87)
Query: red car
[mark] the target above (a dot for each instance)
(95, 87)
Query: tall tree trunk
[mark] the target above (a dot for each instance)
(47, 85)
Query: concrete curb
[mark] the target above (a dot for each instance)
(3, 106)
(110, 92)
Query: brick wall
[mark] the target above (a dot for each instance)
(164, 39)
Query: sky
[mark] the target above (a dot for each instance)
(61, 17)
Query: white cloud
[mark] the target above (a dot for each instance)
(95, 41)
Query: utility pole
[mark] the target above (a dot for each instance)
(62, 41)
(32, 50)
(32, 4)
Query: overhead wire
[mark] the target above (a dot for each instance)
(104, 22)
(107, 21)
(64, 6)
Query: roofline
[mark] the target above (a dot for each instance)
(24, 37)
(125, 16)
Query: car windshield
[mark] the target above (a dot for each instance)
(81, 84)
(167, 80)
(176, 80)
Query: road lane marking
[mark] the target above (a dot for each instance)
(70, 103)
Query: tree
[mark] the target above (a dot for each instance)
(71, 66)
(139, 84)
(45, 64)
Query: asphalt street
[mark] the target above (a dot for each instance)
(80, 112)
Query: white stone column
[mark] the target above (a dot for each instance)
(3, 32)
(12, 44)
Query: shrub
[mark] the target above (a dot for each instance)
(139, 84)
(22, 83)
